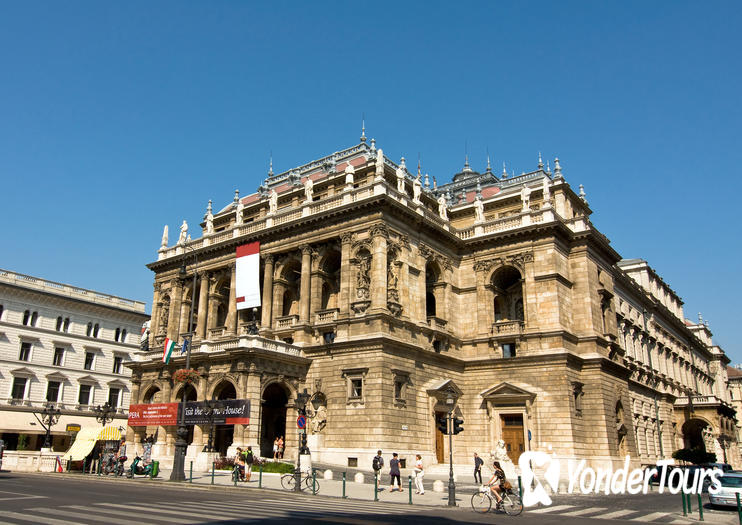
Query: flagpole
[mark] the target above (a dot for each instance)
(181, 445)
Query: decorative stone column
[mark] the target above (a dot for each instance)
(173, 323)
(203, 303)
(484, 306)
(306, 271)
(156, 305)
(267, 306)
(379, 236)
(345, 274)
(185, 312)
(232, 306)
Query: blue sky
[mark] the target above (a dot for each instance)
(118, 118)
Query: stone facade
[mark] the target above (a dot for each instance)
(64, 345)
(392, 301)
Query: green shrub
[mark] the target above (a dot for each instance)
(22, 442)
(276, 466)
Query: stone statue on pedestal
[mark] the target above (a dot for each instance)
(478, 210)
(183, 233)
(442, 207)
(273, 202)
(308, 189)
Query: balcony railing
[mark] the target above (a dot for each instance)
(326, 316)
(243, 341)
(437, 323)
(286, 321)
(507, 328)
(707, 400)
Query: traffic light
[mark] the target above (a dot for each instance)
(442, 425)
(457, 422)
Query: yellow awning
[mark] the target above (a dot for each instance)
(109, 433)
(84, 443)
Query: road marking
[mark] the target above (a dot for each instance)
(38, 519)
(320, 506)
(89, 514)
(556, 508)
(616, 514)
(20, 495)
(650, 517)
(178, 512)
(587, 510)
(117, 513)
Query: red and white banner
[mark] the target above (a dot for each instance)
(247, 273)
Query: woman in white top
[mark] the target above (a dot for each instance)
(419, 473)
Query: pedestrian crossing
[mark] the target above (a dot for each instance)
(195, 512)
(603, 513)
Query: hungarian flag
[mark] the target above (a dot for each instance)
(247, 273)
(167, 350)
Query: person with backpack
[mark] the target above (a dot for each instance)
(377, 464)
(249, 460)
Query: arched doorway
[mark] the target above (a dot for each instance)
(693, 434)
(224, 434)
(273, 417)
(190, 395)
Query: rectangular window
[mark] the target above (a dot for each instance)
(84, 397)
(58, 356)
(398, 388)
(89, 359)
(356, 388)
(113, 397)
(25, 354)
(19, 388)
(117, 361)
(52, 391)
(508, 350)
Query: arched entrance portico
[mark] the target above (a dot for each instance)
(273, 417)
(693, 434)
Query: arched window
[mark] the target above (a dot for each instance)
(1, 312)
(117, 334)
(123, 335)
(34, 318)
(26, 317)
(432, 277)
(508, 295)
(429, 304)
(66, 324)
(89, 329)
(95, 330)
(59, 323)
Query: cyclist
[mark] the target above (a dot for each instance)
(496, 482)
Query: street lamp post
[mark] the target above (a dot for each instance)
(49, 417)
(301, 403)
(181, 443)
(450, 400)
(104, 414)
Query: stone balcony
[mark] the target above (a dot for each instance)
(507, 328)
(328, 316)
(700, 401)
(290, 214)
(243, 341)
(287, 321)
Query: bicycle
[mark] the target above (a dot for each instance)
(481, 501)
(288, 482)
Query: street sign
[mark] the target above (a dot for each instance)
(301, 421)
(71, 427)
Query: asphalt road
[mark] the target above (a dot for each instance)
(66, 499)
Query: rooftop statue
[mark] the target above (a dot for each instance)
(442, 208)
(183, 233)
(478, 210)
(308, 189)
(273, 202)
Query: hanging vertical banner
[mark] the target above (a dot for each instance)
(247, 273)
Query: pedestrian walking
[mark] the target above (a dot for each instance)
(377, 464)
(249, 460)
(478, 462)
(394, 473)
(275, 449)
(281, 446)
(419, 473)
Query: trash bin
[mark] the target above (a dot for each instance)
(155, 468)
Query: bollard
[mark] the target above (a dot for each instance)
(685, 508)
(190, 476)
(700, 507)
(213, 466)
(520, 488)
(314, 481)
(376, 488)
(739, 509)
(344, 496)
(409, 489)
(260, 477)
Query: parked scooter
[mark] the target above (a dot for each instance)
(137, 469)
(118, 469)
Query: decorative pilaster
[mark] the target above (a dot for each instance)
(203, 303)
(345, 274)
(379, 235)
(267, 307)
(156, 304)
(306, 269)
(173, 323)
(232, 306)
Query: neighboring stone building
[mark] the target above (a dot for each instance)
(392, 300)
(63, 345)
(734, 373)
